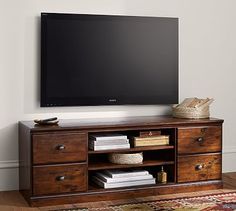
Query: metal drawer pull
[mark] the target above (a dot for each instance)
(60, 147)
(60, 178)
(199, 167)
(200, 139)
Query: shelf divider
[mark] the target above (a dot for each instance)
(135, 149)
(107, 165)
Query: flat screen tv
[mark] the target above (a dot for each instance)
(108, 60)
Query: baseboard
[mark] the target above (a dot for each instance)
(229, 150)
(229, 156)
(9, 175)
(8, 164)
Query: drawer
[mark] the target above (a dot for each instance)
(59, 179)
(199, 140)
(199, 167)
(59, 148)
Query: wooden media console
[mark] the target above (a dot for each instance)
(56, 165)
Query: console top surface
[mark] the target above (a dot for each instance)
(124, 122)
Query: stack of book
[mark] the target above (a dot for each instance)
(108, 141)
(125, 178)
(150, 141)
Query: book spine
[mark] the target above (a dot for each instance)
(109, 138)
(106, 147)
(124, 179)
(151, 143)
(151, 138)
(115, 142)
(132, 183)
(131, 174)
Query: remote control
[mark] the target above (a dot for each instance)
(49, 119)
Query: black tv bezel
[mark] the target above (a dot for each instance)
(109, 100)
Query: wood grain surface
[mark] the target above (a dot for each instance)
(199, 167)
(47, 179)
(199, 140)
(60, 147)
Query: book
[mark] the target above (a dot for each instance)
(152, 141)
(149, 143)
(160, 137)
(106, 147)
(108, 179)
(107, 136)
(109, 142)
(125, 173)
(105, 185)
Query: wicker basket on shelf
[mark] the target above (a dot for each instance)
(126, 158)
(192, 108)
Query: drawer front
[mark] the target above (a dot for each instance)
(59, 148)
(199, 140)
(59, 179)
(199, 167)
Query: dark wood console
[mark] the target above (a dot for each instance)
(56, 165)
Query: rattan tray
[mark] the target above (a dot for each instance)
(126, 158)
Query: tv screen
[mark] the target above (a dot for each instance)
(108, 60)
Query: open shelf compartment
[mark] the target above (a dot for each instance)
(171, 132)
(153, 170)
(150, 158)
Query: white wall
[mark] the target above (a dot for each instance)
(207, 65)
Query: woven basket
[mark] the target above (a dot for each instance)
(126, 158)
(191, 113)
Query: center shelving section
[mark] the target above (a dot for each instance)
(154, 157)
